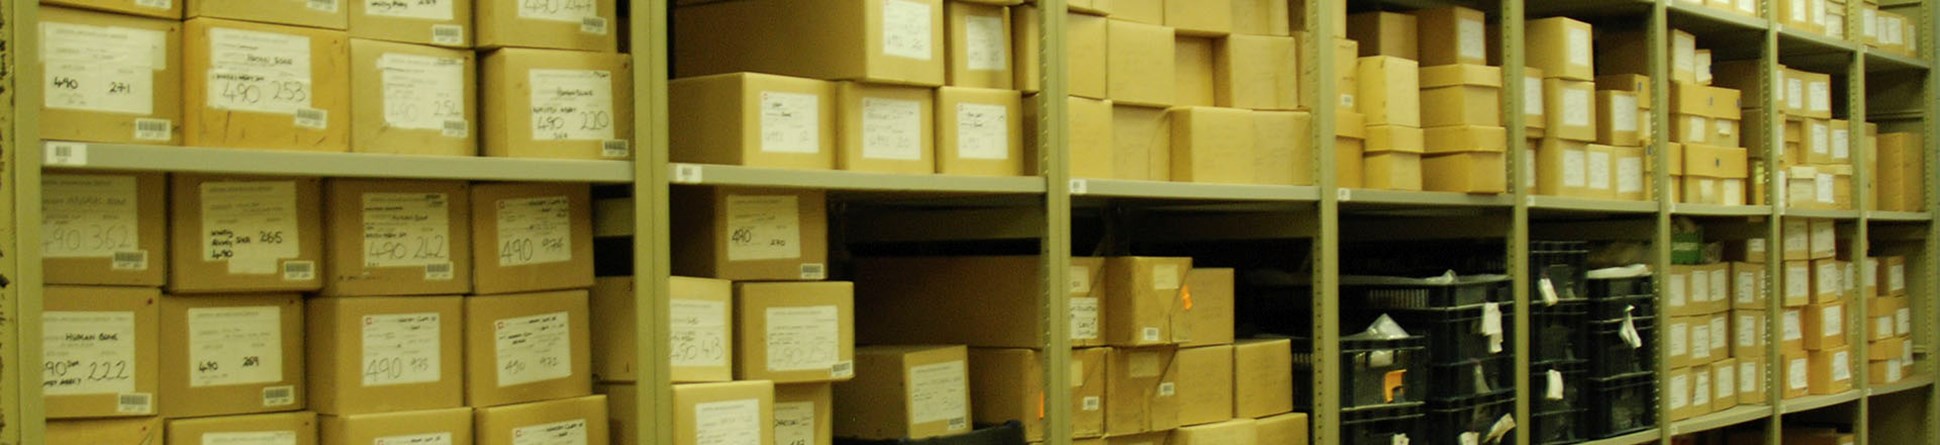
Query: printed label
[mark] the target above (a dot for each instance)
(1700, 286)
(558, 10)
(986, 43)
(1471, 39)
(416, 439)
(101, 68)
(907, 29)
(939, 393)
(235, 345)
(250, 438)
(415, 9)
(88, 353)
(571, 432)
(1532, 96)
(732, 422)
(423, 92)
(1795, 93)
(1726, 382)
(699, 332)
(571, 105)
(1679, 340)
(763, 227)
(1903, 321)
(1841, 366)
(251, 224)
(1680, 289)
(795, 423)
(892, 128)
(1599, 170)
(1084, 318)
(983, 131)
(1700, 341)
(448, 34)
(803, 338)
(534, 348)
(258, 71)
(534, 230)
(1680, 391)
(406, 229)
(89, 216)
(790, 122)
(402, 349)
(1798, 280)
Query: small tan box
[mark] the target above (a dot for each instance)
(980, 132)
(531, 237)
(104, 228)
(1283, 148)
(1724, 385)
(145, 8)
(1795, 368)
(1006, 384)
(1390, 91)
(979, 39)
(900, 42)
(1231, 432)
(99, 346)
(1571, 112)
(702, 324)
(1136, 396)
(794, 332)
(1831, 371)
(1617, 115)
(1792, 324)
(575, 420)
(705, 412)
(138, 430)
(1141, 143)
(1209, 314)
(384, 354)
(110, 78)
(1561, 47)
(1824, 326)
(1212, 145)
(1677, 340)
(429, 22)
(754, 120)
(1461, 95)
(1140, 65)
(1140, 294)
(804, 414)
(1256, 72)
(258, 86)
(557, 104)
(231, 354)
(1748, 285)
(1206, 393)
(905, 392)
(1091, 133)
(1827, 281)
(412, 99)
(244, 234)
(295, 428)
(885, 128)
(750, 234)
(1193, 68)
(391, 237)
(1263, 378)
(1452, 35)
(526, 347)
(586, 25)
(326, 14)
(1390, 34)
(454, 424)
(1561, 168)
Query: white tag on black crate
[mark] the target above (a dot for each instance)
(160, 130)
(457, 128)
(1549, 292)
(299, 270)
(593, 25)
(615, 148)
(131, 260)
(312, 118)
(1554, 391)
(448, 34)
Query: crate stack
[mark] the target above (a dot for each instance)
(1557, 367)
(1470, 382)
(1889, 353)
(1383, 385)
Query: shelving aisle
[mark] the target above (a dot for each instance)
(1050, 209)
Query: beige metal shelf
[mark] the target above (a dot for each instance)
(1809, 403)
(1877, 61)
(1821, 214)
(728, 175)
(1590, 205)
(1689, 16)
(1720, 210)
(1721, 419)
(1909, 384)
(1108, 188)
(1877, 215)
(130, 157)
(1650, 435)
(1371, 197)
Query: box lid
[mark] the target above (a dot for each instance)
(1455, 75)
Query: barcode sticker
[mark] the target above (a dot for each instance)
(66, 153)
(279, 396)
(1080, 187)
(687, 174)
(959, 423)
(814, 271)
(448, 34)
(157, 4)
(1150, 334)
(615, 148)
(324, 5)
(154, 129)
(438, 272)
(592, 25)
(843, 369)
(312, 118)
(299, 270)
(457, 128)
(133, 260)
(1093, 403)
(135, 403)
(1167, 389)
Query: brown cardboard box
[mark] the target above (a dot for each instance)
(556, 104)
(1452, 35)
(296, 428)
(140, 430)
(243, 233)
(1824, 240)
(979, 132)
(1392, 170)
(1384, 34)
(1390, 91)
(99, 346)
(1085, 37)
(1677, 340)
(1231, 432)
(1892, 276)
(1261, 18)
(1560, 167)
(794, 332)
(971, 300)
(1470, 172)
(526, 347)
(1140, 66)
(905, 392)
(1617, 115)
(243, 354)
(1824, 325)
(452, 424)
(1200, 17)
(1141, 143)
(1798, 238)
(439, 23)
(572, 420)
(1561, 48)
(258, 86)
(1827, 276)
(1206, 393)
(1724, 385)
(703, 329)
(307, 13)
(1140, 294)
(1385, 138)
(1455, 95)
(592, 25)
(1831, 371)
(531, 237)
(1263, 377)
(1792, 323)
(785, 245)
(86, 54)
(753, 119)
(1284, 429)
(845, 40)
(1883, 350)
(1283, 148)
(1256, 72)
(103, 228)
(1751, 382)
(885, 128)
(1464, 139)
(1677, 389)
(1212, 145)
(1007, 384)
(384, 354)
(391, 237)
(707, 412)
(1193, 68)
(979, 39)
(1141, 390)
(1748, 285)
(1571, 109)
(412, 99)
(1748, 330)
(165, 10)
(1207, 305)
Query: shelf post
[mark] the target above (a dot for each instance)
(654, 403)
(1321, 77)
(1054, 158)
(1513, 20)
(20, 389)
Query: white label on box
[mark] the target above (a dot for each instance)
(1896, 278)
(699, 332)
(1798, 280)
(983, 131)
(1624, 109)
(1695, 130)
(256, 71)
(892, 128)
(1750, 6)
(157, 4)
(402, 348)
(803, 338)
(1903, 321)
(1720, 333)
(907, 29)
(1828, 278)
(1701, 388)
(534, 230)
(1822, 186)
(1703, 67)
(1700, 286)
(235, 345)
(790, 122)
(1579, 47)
(1680, 391)
(1599, 170)
(1683, 52)
(534, 348)
(1795, 374)
(1746, 288)
(1820, 99)
(1794, 327)
(1794, 93)
(571, 105)
(88, 353)
(1883, 326)
(1720, 285)
(986, 42)
(1679, 341)
(1868, 22)
(1166, 277)
(101, 68)
(1819, 138)
(406, 229)
(571, 432)
(1726, 384)
(250, 438)
(732, 422)
(1847, 281)
(443, 34)
(1841, 366)
(89, 216)
(416, 9)
(1576, 107)
(1680, 289)
(327, 6)
(1748, 378)
(1532, 96)
(1630, 175)
(1574, 170)
(250, 224)
(1471, 39)
(1725, 128)
(415, 439)
(795, 423)
(154, 129)
(1818, 12)
(1700, 341)
(1084, 318)
(1093, 403)
(1748, 327)
(939, 392)
(763, 227)
(1841, 144)
(1894, 371)
(1528, 169)
(1832, 321)
(575, 11)
(1894, 30)
(422, 92)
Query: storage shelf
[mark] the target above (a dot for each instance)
(1877, 60)
(1822, 214)
(1374, 197)
(728, 175)
(1809, 403)
(1908, 384)
(1590, 205)
(1650, 435)
(1721, 419)
(1720, 210)
(1899, 216)
(1713, 17)
(1110, 188)
(1789, 38)
(130, 157)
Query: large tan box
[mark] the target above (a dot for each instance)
(1141, 390)
(231, 354)
(557, 104)
(702, 320)
(110, 78)
(1283, 148)
(1561, 47)
(1140, 295)
(526, 347)
(1206, 305)
(1888, 349)
(885, 128)
(1390, 34)
(971, 300)
(979, 39)
(1461, 95)
(1206, 391)
(1389, 91)
(1751, 381)
(1091, 132)
(326, 14)
(803, 414)
(1087, 292)
(1748, 330)
(132, 431)
(429, 426)
(531, 237)
(1831, 370)
(980, 132)
(1262, 377)
(103, 228)
(412, 99)
(1212, 145)
(244, 233)
(258, 86)
(1141, 64)
(1824, 325)
(1561, 168)
(99, 346)
(1617, 118)
(1798, 238)
(750, 233)
(435, 22)
(899, 42)
(1141, 143)
(1007, 384)
(753, 119)
(794, 332)
(392, 237)
(1256, 72)
(1571, 112)
(295, 428)
(575, 420)
(905, 392)
(145, 8)
(589, 25)
(1085, 37)
(706, 413)
(1392, 170)
(384, 354)
(1231, 432)
(1452, 35)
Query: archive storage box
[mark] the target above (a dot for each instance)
(896, 42)
(1256, 72)
(110, 78)
(531, 237)
(885, 128)
(445, 23)
(1141, 66)
(428, 425)
(412, 99)
(795, 332)
(589, 25)
(1212, 145)
(391, 237)
(100, 346)
(526, 347)
(752, 119)
(260, 86)
(1006, 384)
(786, 233)
(244, 234)
(557, 104)
(127, 211)
(900, 392)
(575, 420)
(703, 324)
(979, 44)
(297, 428)
(385, 354)
(1136, 396)
(979, 132)
(705, 411)
(804, 413)
(231, 354)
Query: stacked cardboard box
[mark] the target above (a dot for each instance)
(1464, 140)
(1888, 31)
(1888, 324)
(1740, 7)
(1707, 333)
(1816, 356)
(1561, 48)
(1387, 95)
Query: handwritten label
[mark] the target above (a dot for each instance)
(731, 422)
(402, 349)
(424, 93)
(260, 72)
(534, 230)
(791, 122)
(986, 43)
(575, 11)
(803, 338)
(795, 423)
(101, 68)
(534, 348)
(235, 345)
(89, 216)
(249, 224)
(250, 438)
(892, 128)
(406, 229)
(1084, 318)
(88, 353)
(415, 9)
(571, 105)
(415, 439)
(763, 227)
(571, 432)
(699, 332)
(983, 131)
(940, 392)
(907, 29)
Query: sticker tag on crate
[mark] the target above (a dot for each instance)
(1469, 438)
(1629, 330)
(1491, 319)
(1495, 343)
(1554, 391)
(1399, 439)
(1549, 292)
(1503, 425)
(1394, 380)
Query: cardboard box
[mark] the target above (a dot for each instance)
(1256, 72)
(1461, 95)
(526, 347)
(885, 128)
(753, 119)
(1748, 333)
(313, 14)
(1392, 170)
(1747, 285)
(1261, 18)
(1893, 278)
(412, 99)
(1263, 377)
(557, 104)
(703, 329)
(1141, 390)
(1798, 238)
(423, 23)
(1283, 429)
(1140, 65)
(1200, 17)
(1451, 35)
(242, 354)
(1091, 131)
(1477, 172)
(1628, 173)
(1561, 167)
(139, 430)
(1561, 48)
(257, 86)
(385, 354)
(244, 233)
(1534, 110)
(794, 332)
(789, 233)
(1206, 394)
(979, 132)
(1283, 148)
(1390, 34)
(1007, 384)
(905, 392)
(1390, 91)
(110, 78)
(593, 25)
(1617, 115)
(1677, 391)
(1141, 143)
(391, 237)
(974, 301)
(571, 420)
(1792, 325)
(1901, 183)
(705, 412)
(1141, 11)
(1600, 167)
(102, 228)
(99, 347)
(1212, 145)
(1207, 308)
(1724, 385)
(453, 424)
(1826, 281)
(847, 40)
(1751, 382)
(803, 414)
(1886, 372)
(979, 45)
(296, 428)
(531, 237)
(168, 10)
(1571, 109)
(1795, 366)
(1824, 325)
(1085, 50)
(1231, 432)
(1831, 371)
(1140, 296)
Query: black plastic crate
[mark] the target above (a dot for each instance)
(1369, 369)
(1621, 287)
(1615, 308)
(1381, 426)
(1454, 334)
(1557, 329)
(1465, 291)
(1621, 405)
(1557, 427)
(1572, 375)
(1610, 355)
(1477, 377)
(1482, 415)
(1563, 264)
